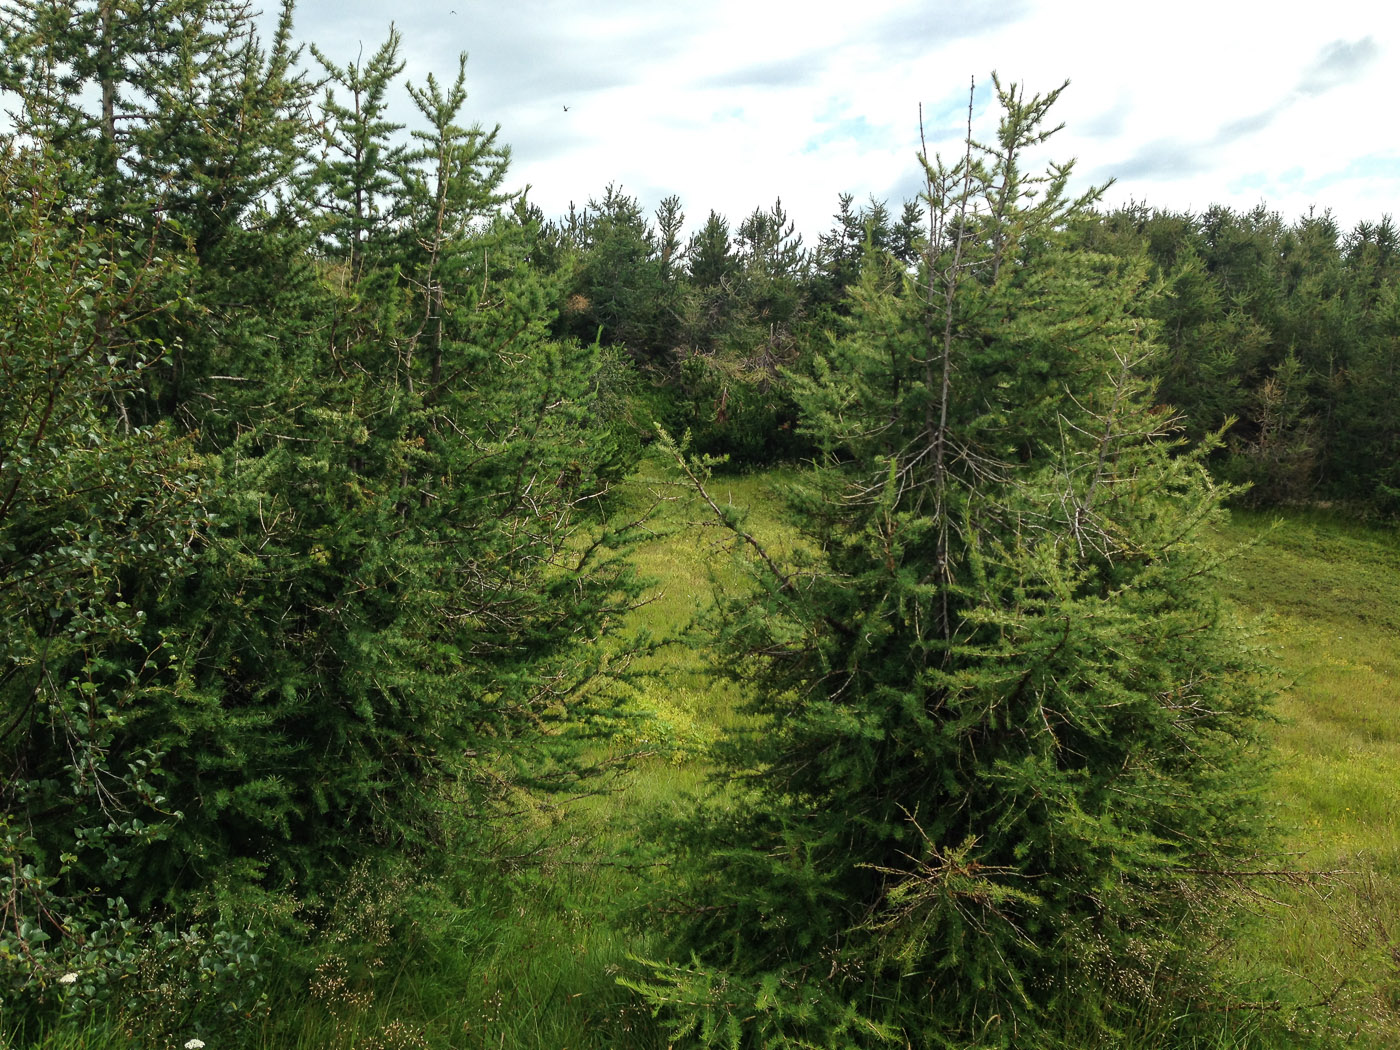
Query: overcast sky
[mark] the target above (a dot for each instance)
(731, 103)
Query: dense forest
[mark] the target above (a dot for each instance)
(1279, 337)
(319, 525)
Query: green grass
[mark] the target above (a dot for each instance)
(533, 961)
(525, 954)
(1325, 593)
(688, 559)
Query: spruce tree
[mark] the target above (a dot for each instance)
(712, 269)
(749, 304)
(625, 287)
(710, 255)
(842, 250)
(908, 232)
(838, 257)
(1367, 447)
(999, 764)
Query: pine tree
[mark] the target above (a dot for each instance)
(998, 767)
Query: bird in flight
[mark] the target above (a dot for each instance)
(566, 109)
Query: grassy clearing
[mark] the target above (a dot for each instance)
(689, 558)
(1325, 593)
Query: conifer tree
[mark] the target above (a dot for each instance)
(999, 764)
(176, 129)
(670, 220)
(626, 278)
(907, 233)
(839, 254)
(1367, 447)
(713, 270)
(375, 570)
(407, 527)
(361, 168)
(770, 250)
(842, 250)
(749, 305)
(710, 254)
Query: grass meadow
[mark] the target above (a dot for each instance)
(522, 944)
(1323, 595)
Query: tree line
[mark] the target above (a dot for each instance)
(1282, 336)
(309, 553)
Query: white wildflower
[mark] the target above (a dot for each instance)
(68, 978)
(195, 1044)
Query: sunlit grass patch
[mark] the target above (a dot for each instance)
(690, 560)
(1327, 594)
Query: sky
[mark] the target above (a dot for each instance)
(730, 104)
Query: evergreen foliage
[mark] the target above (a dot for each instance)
(310, 568)
(711, 254)
(746, 321)
(998, 768)
(361, 166)
(98, 522)
(305, 535)
(626, 291)
(1276, 333)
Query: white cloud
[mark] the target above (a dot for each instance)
(731, 104)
